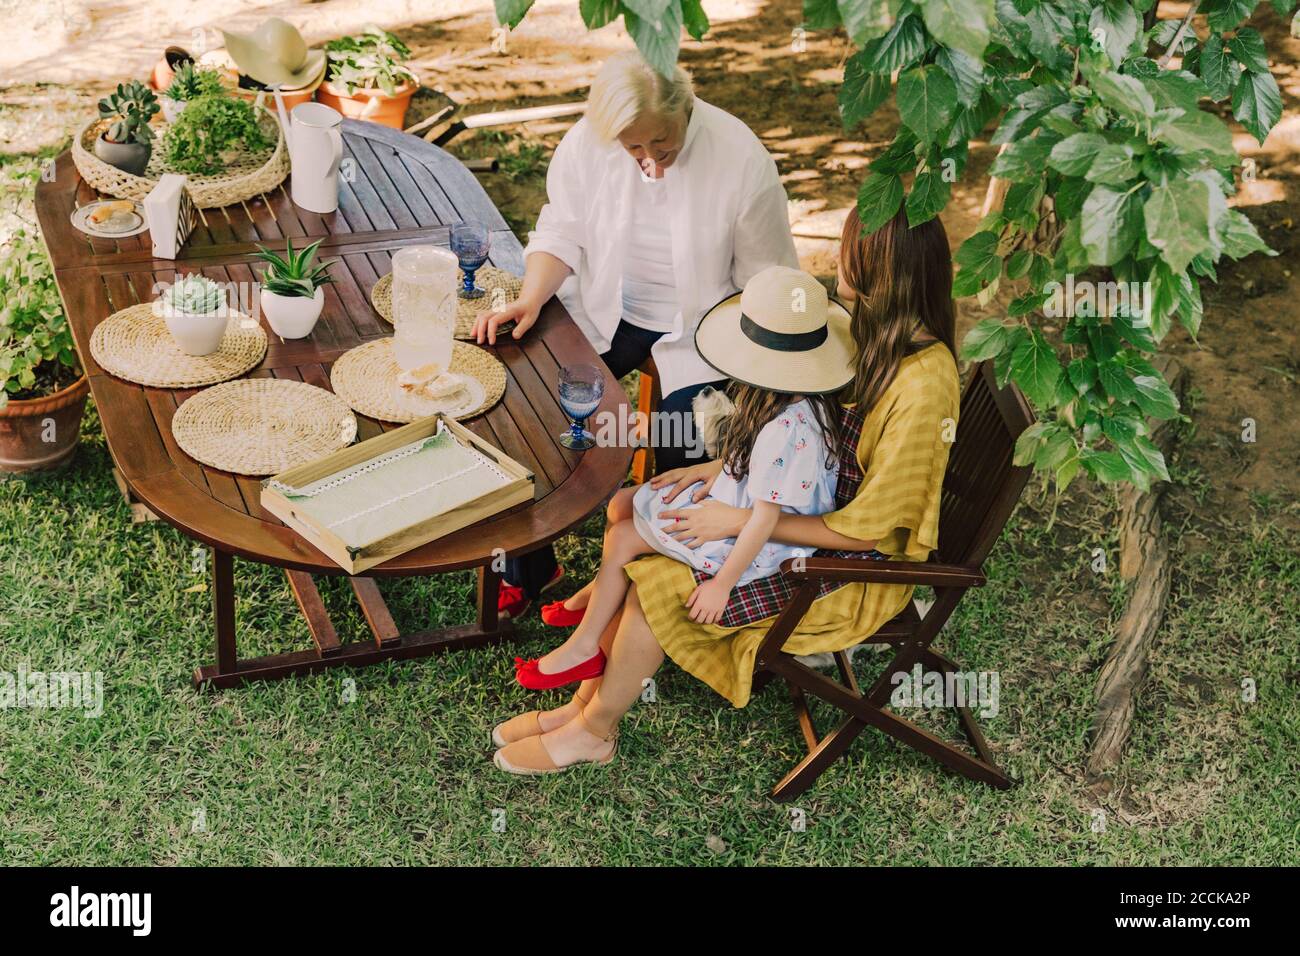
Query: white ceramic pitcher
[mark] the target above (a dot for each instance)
(315, 149)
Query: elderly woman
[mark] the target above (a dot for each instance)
(658, 206)
(899, 282)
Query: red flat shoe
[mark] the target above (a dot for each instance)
(557, 615)
(527, 674)
(512, 602)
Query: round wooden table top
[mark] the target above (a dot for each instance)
(395, 190)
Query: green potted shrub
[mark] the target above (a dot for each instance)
(195, 310)
(190, 83)
(367, 77)
(293, 290)
(128, 141)
(42, 389)
(211, 130)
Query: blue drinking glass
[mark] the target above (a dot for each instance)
(469, 241)
(581, 388)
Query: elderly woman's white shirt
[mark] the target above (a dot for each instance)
(728, 220)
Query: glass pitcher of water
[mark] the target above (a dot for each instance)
(424, 307)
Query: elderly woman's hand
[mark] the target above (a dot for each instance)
(709, 521)
(521, 312)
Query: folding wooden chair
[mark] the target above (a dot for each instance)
(980, 490)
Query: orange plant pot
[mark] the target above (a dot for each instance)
(41, 433)
(291, 97)
(374, 105)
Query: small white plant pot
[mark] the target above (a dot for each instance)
(171, 109)
(292, 316)
(195, 334)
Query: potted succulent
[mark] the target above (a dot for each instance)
(189, 83)
(212, 129)
(42, 390)
(367, 79)
(128, 141)
(293, 290)
(194, 308)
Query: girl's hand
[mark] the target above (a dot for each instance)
(709, 521)
(522, 313)
(706, 473)
(708, 601)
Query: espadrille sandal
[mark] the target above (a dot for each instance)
(529, 757)
(524, 725)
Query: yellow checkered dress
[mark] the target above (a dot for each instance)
(903, 453)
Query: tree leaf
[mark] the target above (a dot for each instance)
(928, 196)
(1218, 69)
(865, 19)
(1126, 96)
(927, 99)
(1109, 225)
(510, 12)
(1177, 216)
(1024, 160)
(1156, 399)
(1248, 47)
(821, 14)
(1226, 14)
(658, 41)
(1202, 135)
(984, 341)
(902, 45)
(862, 91)
(1257, 104)
(599, 13)
(1113, 165)
(1239, 236)
(1074, 154)
(695, 19)
(878, 200)
(960, 24)
(1035, 368)
(1119, 26)
(967, 74)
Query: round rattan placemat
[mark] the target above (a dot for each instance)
(134, 344)
(366, 378)
(262, 426)
(488, 278)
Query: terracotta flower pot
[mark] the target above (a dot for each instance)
(374, 105)
(41, 433)
(164, 71)
(291, 97)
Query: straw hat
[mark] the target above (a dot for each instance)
(275, 54)
(782, 333)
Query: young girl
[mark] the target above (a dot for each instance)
(787, 349)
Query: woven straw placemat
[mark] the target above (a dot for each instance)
(134, 344)
(488, 278)
(262, 426)
(245, 176)
(366, 378)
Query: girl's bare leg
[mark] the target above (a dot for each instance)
(623, 544)
(634, 656)
(619, 509)
(550, 719)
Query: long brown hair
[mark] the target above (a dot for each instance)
(903, 278)
(755, 407)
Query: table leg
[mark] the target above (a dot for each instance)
(489, 587)
(223, 610)
(388, 645)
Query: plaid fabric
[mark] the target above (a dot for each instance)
(766, 597)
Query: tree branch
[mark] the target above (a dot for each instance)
(1178, 35)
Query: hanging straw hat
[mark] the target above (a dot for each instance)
(782, 333)
(275, 54)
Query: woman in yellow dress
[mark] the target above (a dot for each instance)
(897, 283)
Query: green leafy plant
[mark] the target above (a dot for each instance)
(372, 60)
(194, 295)
(191, 82)
(129, 107)
(211, 126)
(1116, 173)
(37, 355)
(294, 273)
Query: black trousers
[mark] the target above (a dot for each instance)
(629, 348)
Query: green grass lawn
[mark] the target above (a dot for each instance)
(294, 773)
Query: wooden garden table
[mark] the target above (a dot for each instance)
(396, 191)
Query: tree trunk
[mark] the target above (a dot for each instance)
(1144, 561)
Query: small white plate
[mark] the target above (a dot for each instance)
(116, 227)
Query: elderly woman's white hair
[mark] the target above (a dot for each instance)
(627, 87)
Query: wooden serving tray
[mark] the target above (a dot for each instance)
(359, 555)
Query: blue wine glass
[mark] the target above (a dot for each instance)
(470, 242)
(581, 388)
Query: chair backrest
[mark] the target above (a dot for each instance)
(981, 486)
